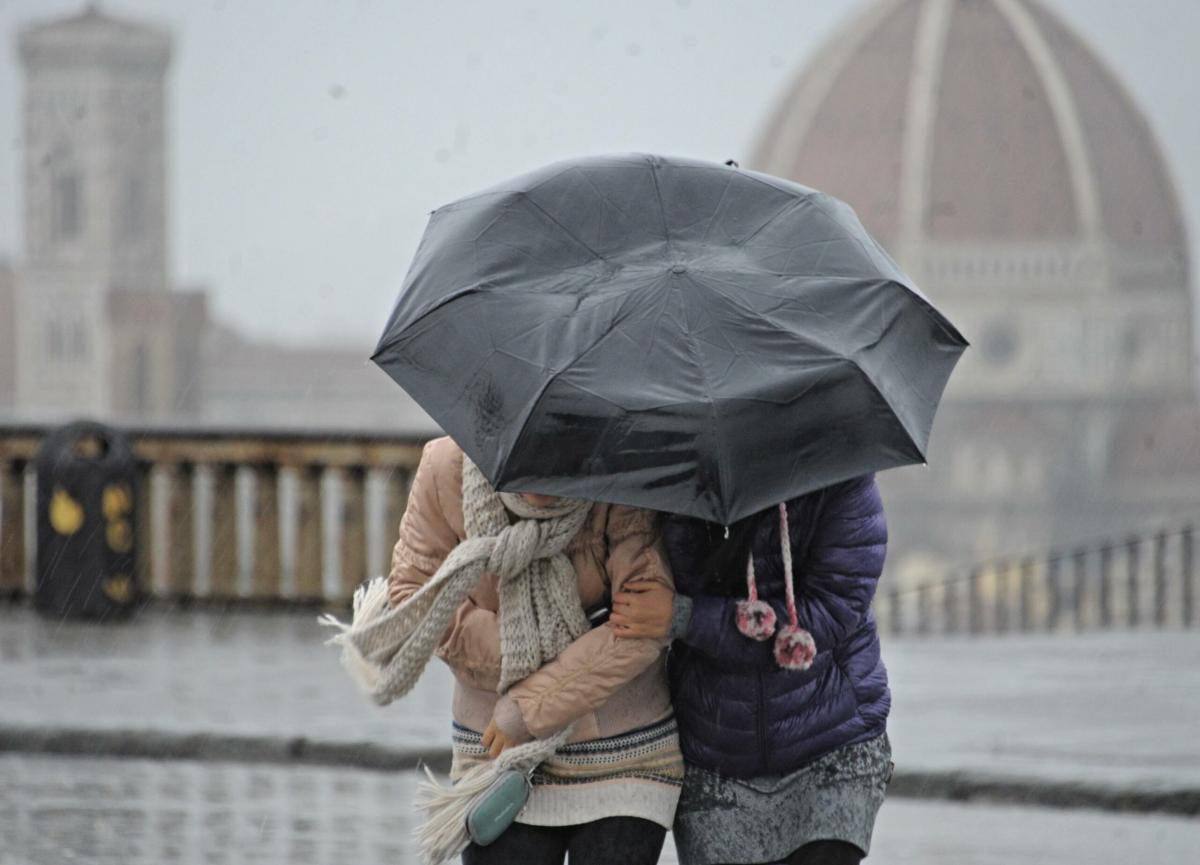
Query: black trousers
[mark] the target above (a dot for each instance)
(624, 840)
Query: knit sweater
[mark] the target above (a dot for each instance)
(623, 758)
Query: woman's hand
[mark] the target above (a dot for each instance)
(643, 608)
(496, 741)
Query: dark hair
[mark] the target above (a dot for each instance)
(725, 566)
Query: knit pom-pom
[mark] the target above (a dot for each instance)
(755, 619)
(794, 648)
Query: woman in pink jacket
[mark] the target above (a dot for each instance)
(528, 663)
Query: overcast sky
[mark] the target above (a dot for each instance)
(310, 138)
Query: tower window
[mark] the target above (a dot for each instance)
(67, 212)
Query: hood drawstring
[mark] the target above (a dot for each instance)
(795, 648)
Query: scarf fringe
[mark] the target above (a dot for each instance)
(370, 601)
(443, 834)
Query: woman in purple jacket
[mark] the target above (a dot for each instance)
(779, 689)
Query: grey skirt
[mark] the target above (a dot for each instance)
(765, 819)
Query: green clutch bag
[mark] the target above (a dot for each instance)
(495, 808)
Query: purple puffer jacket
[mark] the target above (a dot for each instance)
(739, 713)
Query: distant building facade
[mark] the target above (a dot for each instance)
(1011, 174)
(95, 315)
(90, 324)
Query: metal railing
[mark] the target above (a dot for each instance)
(293, 516)
(1142, 580)
(236, 514)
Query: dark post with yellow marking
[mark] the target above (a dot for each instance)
(86, 523)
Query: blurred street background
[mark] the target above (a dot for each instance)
(206, 210)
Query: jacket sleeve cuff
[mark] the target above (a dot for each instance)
(509, 719)
(681, 617)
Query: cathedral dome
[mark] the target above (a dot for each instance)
(980, 123)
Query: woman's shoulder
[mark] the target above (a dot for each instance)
(441, 473)
(625, 521)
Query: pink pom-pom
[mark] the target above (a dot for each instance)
(755, 619)
(795, 648)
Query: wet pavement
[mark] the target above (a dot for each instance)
(1115, 709)
(56, 810)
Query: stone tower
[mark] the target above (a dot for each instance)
(1012, 175)
(96, 324)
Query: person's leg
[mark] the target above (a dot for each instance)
(627, 840)
(826, 853)
(536, 845)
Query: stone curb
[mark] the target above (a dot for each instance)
(954, 786)
(156, 745)
(965, 786)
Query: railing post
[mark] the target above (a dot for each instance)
(1026, 594)
(1053, 591)
(353, 529)
(1188, 604)
(309, 540)
(223, 539)
(144, 502)
(1160, 579)
(895, 619)
(950, 623)
(1000, 602)
(266, 579)
(923, 623)
(181, 554)
(1077, 589)
(1133, 565)
(12, 527)
(974, 613)
(395, 500)
(1105, 590)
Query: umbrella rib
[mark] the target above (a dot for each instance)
(787, 208)
(717, 209)
(832, 352)
(662, 210)
(765, 316)
(525, 196)
(715, 427)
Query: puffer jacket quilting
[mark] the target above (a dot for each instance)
(739, 713)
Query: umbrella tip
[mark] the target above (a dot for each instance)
(732, 163)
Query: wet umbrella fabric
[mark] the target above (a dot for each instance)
(667, 333)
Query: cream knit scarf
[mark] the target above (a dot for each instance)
(386, 650)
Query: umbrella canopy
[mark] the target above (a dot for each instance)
(668, 333)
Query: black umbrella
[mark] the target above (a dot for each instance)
(668, 333)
